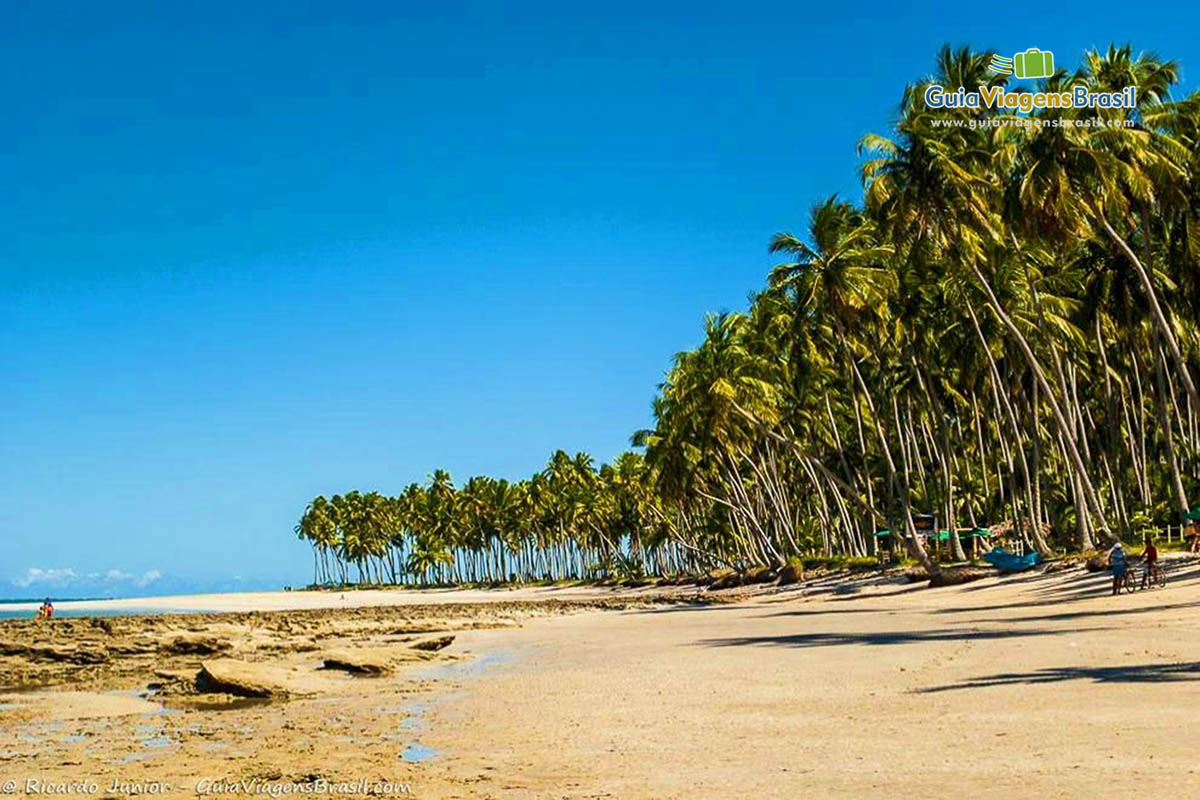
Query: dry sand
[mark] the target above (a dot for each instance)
(1034, 686)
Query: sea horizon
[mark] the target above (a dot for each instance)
(19, 607)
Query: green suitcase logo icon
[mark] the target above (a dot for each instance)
(1001, 65)
(1034, 63)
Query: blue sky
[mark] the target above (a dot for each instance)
(254, 252)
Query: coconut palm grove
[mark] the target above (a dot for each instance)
(1003, 335)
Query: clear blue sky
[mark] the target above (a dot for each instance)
(252, 252)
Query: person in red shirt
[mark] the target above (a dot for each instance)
(1150, 559)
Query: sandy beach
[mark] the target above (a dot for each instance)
(1039, 685)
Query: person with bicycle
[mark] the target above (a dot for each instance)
(1119, 563)
(1150, 559)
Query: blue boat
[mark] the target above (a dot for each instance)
(1005, 561)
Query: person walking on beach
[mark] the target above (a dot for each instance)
(1119, 563)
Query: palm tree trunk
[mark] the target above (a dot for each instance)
(1156, 312)
(1168, 437)
(1035, 366)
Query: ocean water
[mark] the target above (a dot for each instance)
(13, 611)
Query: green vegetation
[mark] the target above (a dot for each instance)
(1006, 331)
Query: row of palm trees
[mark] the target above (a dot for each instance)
(1004, 331)
(569, 521)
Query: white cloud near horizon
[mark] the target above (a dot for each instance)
(60, 577)
(148, 577)
(47, 577)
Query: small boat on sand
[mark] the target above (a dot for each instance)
(1005, 561)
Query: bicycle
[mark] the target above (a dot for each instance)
(1137, 578)
(1130, 582)
(1154, 578)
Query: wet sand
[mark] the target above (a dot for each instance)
(1032, 686)
(335, 699)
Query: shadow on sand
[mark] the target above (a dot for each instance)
(687, 605)
(828, 611)
(1138, 673)
(1066, 616)
(881, 638)
(1055, 590)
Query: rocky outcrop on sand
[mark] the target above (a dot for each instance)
(167, 652)
(70, 654)
(382, 661)
(243, 679)
(434, 644)
(358, 662)
(196, 645)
